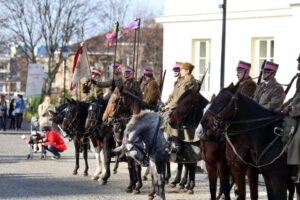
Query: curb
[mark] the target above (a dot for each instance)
(15, 132)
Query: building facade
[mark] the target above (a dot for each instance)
(255, 30)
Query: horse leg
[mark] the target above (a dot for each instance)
(107, 158)
(85, 155)
(279, 189)
(116, 166)
(298, 191)
(98, 162)
(239, 178)
(291, 189)
(168, 173)
(178, 176)
(224, 178)
(77, 146)
(252, 175)
(139, 182)
(153, 181)
(191, 181)
(132, 175)
(184, 177)
(212, 177)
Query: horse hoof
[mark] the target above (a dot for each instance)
(115, 172)
(95, 178)
(189, 191)
(129, 190)
(136, 192)
(85, 174)
(103, 182)
(74, 173)
(145, 178)
(172, 185)
(150, 197)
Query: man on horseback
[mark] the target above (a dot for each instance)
(150, 88)
(115, 81)
(292, 109)
(93, 92)
(247, 86)
(186, 82)
(270, 93)
(131, 84)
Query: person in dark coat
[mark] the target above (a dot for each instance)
(3, 112)
(270, 94)
(247, 86)
(11, 114)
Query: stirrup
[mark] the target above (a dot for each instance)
(296, 179)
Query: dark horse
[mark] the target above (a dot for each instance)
(212, 149)
(237, 116)
(73, 124)
(102, 139)
(145, 140)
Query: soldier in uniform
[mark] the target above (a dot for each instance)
(270, 93)
(247, 86)
(186, 82)
(116, 80)
(292, 109)
(150, 88)
(94, 93)
(131, 84)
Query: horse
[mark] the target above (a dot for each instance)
(102, 140)
(73, 124)
(212, 149)
(142, 130)
(117, 115)
(237, 116)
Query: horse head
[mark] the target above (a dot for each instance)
(189, 108)
(222, 108)
(94, 116)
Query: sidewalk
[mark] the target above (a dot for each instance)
(25, 129)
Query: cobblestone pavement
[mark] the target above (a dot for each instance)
(53, 179)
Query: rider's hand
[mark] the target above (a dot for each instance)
(286, 110)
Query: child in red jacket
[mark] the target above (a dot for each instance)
(52, 142)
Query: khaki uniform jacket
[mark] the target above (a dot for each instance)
(91, 95)
(247, 87)
(183, 84)
(118, 79)
(293, 156)
(44, 116)
(270, 95)
(151, 92)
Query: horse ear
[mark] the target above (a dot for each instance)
(213, 97)
(68, 100)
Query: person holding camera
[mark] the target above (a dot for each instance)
(43, 112)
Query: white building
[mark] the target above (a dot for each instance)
(255, 30)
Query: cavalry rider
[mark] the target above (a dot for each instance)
(186, 82)
(247, 86)
(270, 93)
(131, 84)
(116, 80)
(292, 109)
(150, 88)
(94, 93)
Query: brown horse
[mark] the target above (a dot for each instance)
(187, 113)
(238, 117)
(117, 115)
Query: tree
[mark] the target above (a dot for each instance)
(53, 23)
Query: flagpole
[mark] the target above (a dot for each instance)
(137, 51)
(116, 37)
(133, 60)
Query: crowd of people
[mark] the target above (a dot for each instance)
(11, 116)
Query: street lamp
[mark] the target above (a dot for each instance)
(224, 7)
(64, 53)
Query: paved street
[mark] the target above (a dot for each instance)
(53, 179)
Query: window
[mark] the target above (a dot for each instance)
(265, 50)
(201, 60)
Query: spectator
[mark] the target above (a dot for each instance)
(35, 143)
(3, 112)
(19, 109)
(11, 114)
(52, 142)
(43, 112)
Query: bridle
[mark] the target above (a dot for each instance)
(94, 117)
(221, 125)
